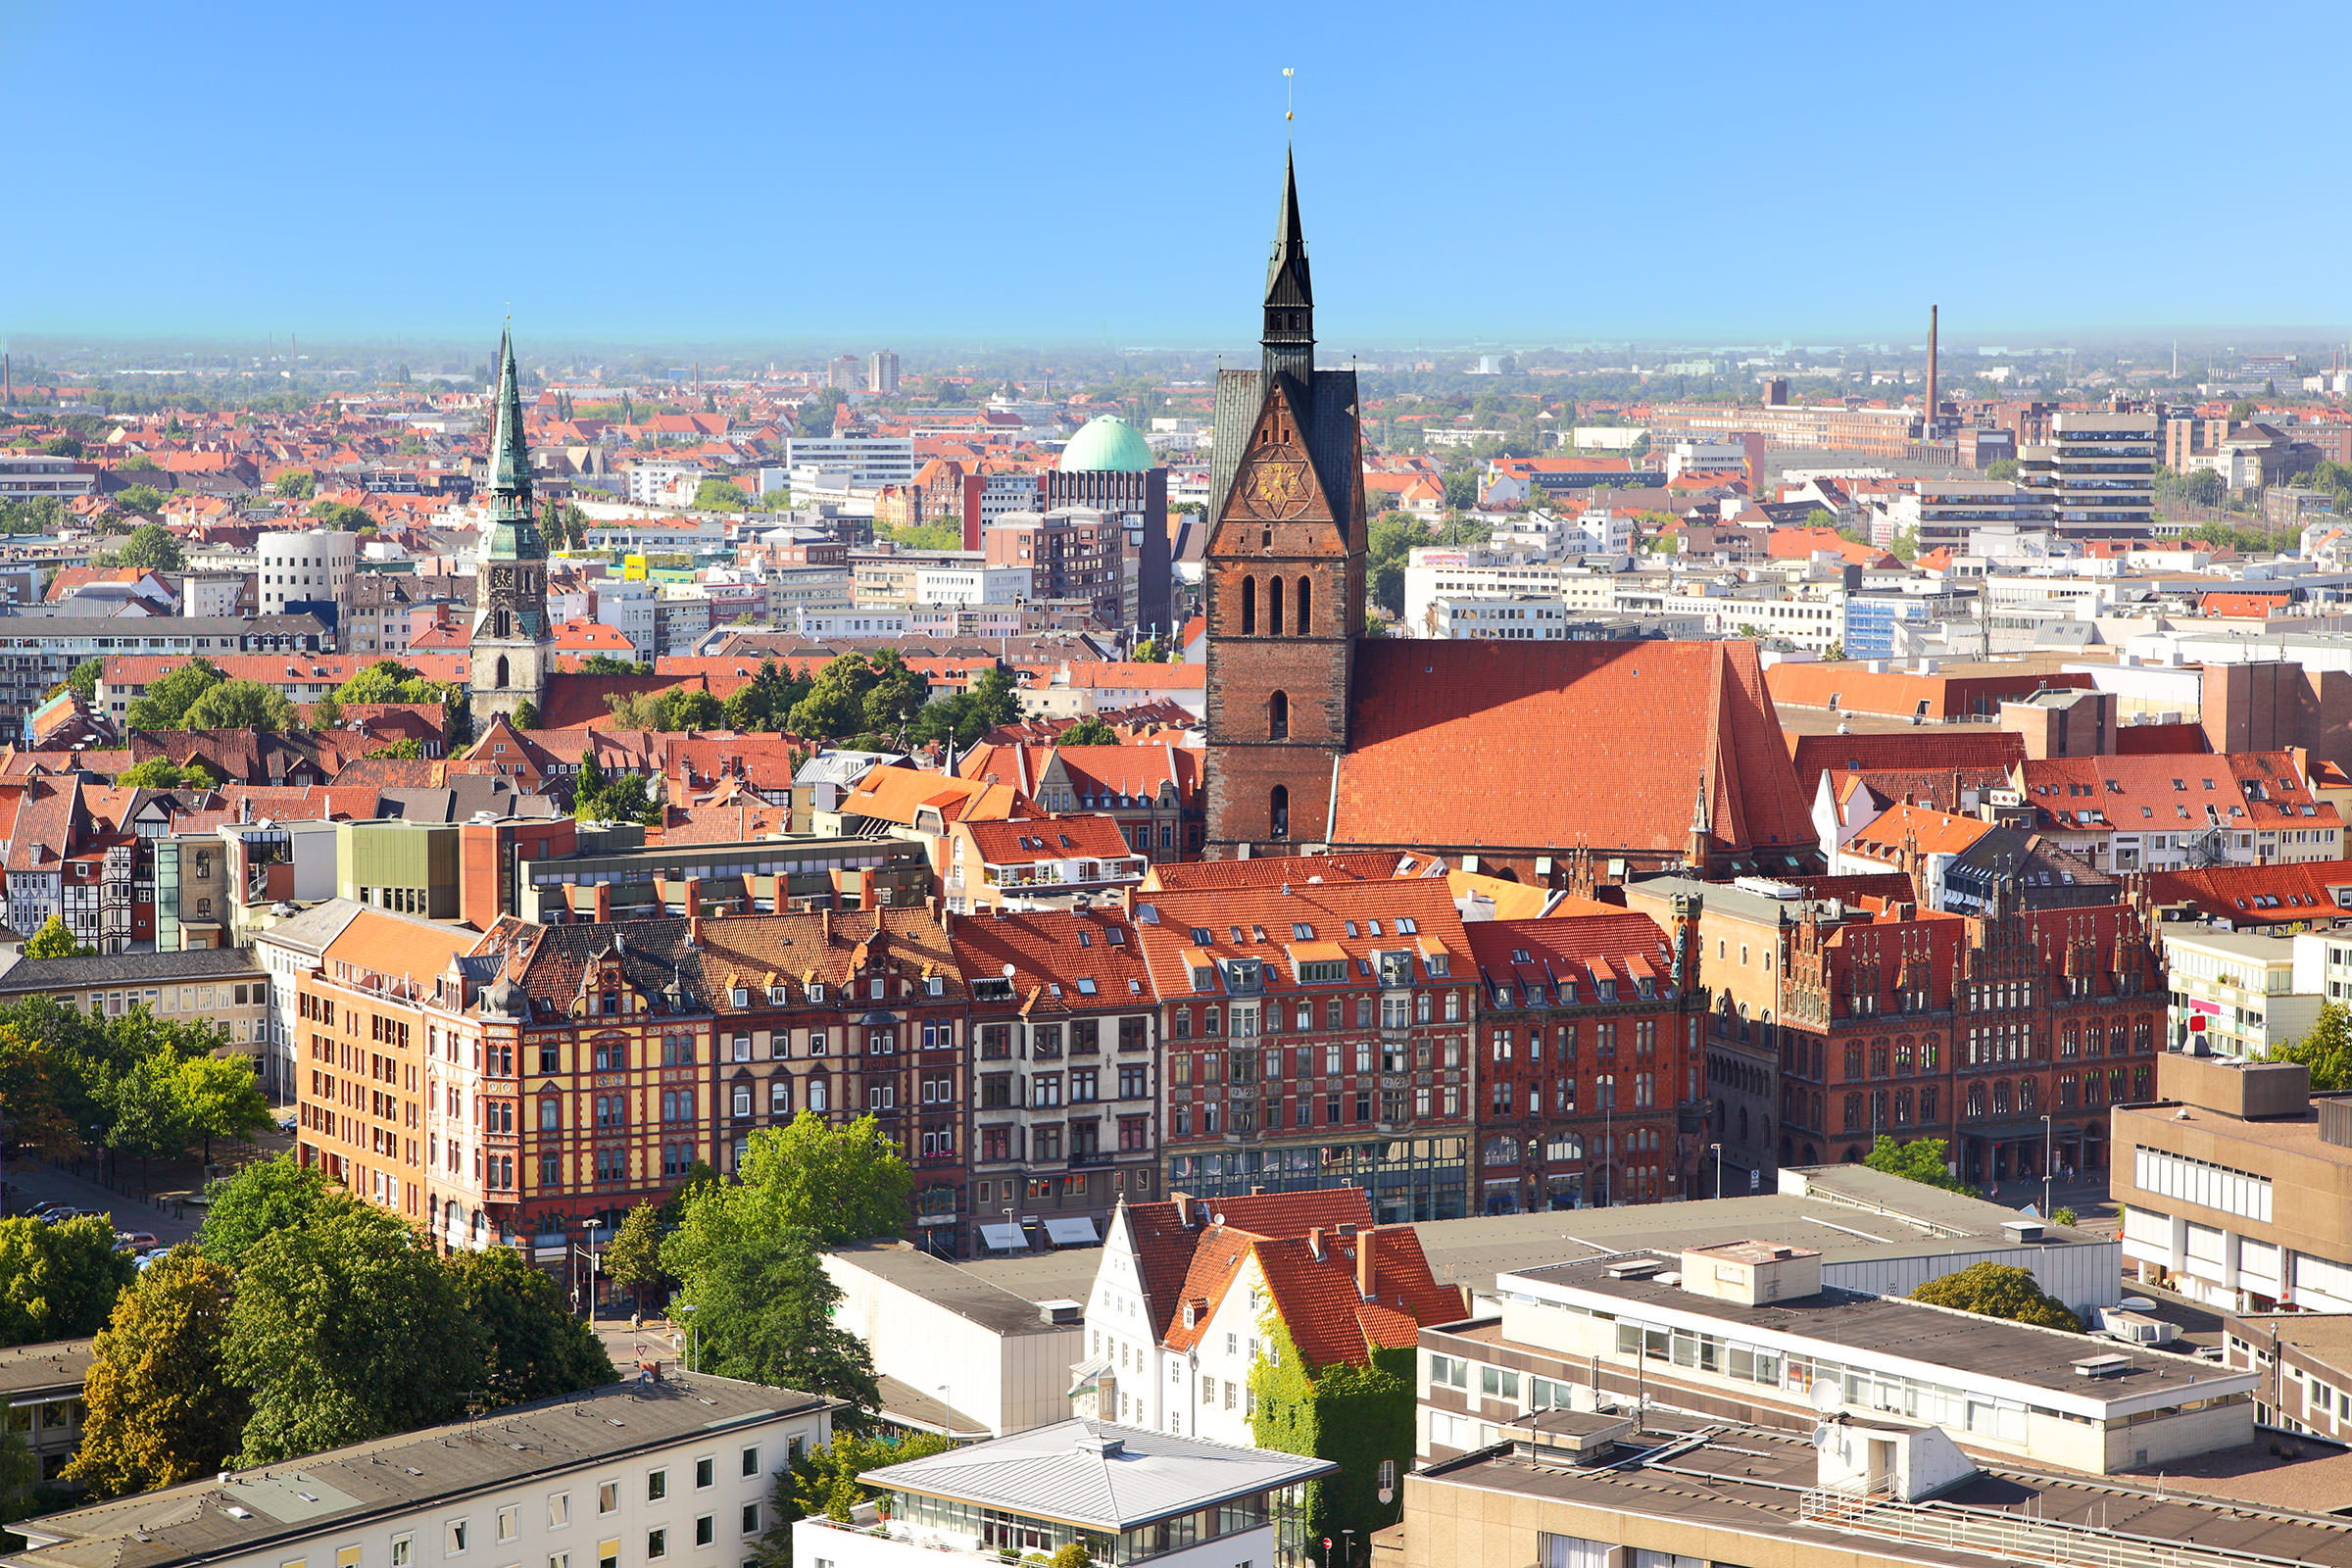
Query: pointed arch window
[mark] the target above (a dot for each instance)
(501, 683)
(1278, 812)
(1278, 716)
(1248, 606)
(1274, 606)
(1305, 606)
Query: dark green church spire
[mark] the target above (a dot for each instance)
(514, 526)
(1289, 340)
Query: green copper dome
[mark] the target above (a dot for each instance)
(1106, 443)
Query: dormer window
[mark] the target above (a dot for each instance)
(816, 991)
(776, 994)
(936, 986)
(743, 996)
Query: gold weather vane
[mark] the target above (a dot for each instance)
(1287, 73)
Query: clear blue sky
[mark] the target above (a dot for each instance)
(1106, 174)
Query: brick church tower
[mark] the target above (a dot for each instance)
(1284, 573)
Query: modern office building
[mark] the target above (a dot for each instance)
(2235, 1183)
(866, 460)
(2235, 992)
(2096, 473)
(1128, 1495)
(882, 371)
(306, 569)
(1746, 1331)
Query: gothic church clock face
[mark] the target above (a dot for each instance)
(1277, 490)
(503, 578)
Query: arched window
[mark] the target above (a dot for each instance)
(1280, 814)
(501, 683)
(1307, 600)
(1278, 716)
(1274, 606)
(1248, 606)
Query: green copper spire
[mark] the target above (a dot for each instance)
(514, 533)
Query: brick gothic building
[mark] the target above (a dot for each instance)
(1971, 1029)
(1284, 573)
(1589, 1063)
(1644, 754)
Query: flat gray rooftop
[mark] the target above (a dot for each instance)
(58, 1366)
(1849, 1214)
(343, 1488)
(1743, 1480)
(1067, 1275)
(2019, 1352)
(961, 1288)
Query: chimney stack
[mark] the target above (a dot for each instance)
(1184, 1210)
(1314, 1242)
(1930, 430)
(1367, 1273)
(603, 901)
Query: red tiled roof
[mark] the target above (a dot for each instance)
(1560, 743)
(1049, 838)
(1918, 751)
(2172, 793)
(2258, 895)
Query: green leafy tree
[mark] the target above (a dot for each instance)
(151, 547)
(995, 699)
(896, 695)
(161, 1411)
(297, 484)
(834, 706)
(59, 1282)
(407, 751)
(1088, 731)
(2326, 1050)
(634, 1260)
(62, 446)
(686, 708)
(261, 1198)
(54, 941)
(2063, 1215)
(218, 1099)
(388, 680)
(82, 680)
(346, 1329)
(526, 714)
(824, 1484)
(163, 773)
(841, 1182)
(718, 495)
(165, 702)
(151, 1119)
(532, 1348)
(145, 499)
(609, 664)
(1919, 1160)
(242, 705)
(340, 516)
(1995, 1289)
(28, 1093)
(763, 1307)
(2002, 469)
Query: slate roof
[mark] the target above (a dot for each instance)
(1097, 1475)
(1327, 421)
(29, 975)
(1550, 746)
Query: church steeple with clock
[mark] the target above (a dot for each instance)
(512, 642)
(1283, 571)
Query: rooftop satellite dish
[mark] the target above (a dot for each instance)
(1829, 1395)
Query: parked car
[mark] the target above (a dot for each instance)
(286, 1123)
(133, 1241)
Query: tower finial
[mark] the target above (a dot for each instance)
(1287, 73)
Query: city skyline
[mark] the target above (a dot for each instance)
(1454, 204)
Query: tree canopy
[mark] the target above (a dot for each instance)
(1995, 1289)
(161, 1410)
(1918, 1159)
(165, 702)
(151, 547)
(345, 1329)
(241, 704)
(1088, 731)
(163, 773)
(531, 1347)
(261, 1198)
(2326, 1050)
(58, 1282)
(54, 941)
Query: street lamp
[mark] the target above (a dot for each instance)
(1717, 1146)
(946, 1412)
(589, 1251)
